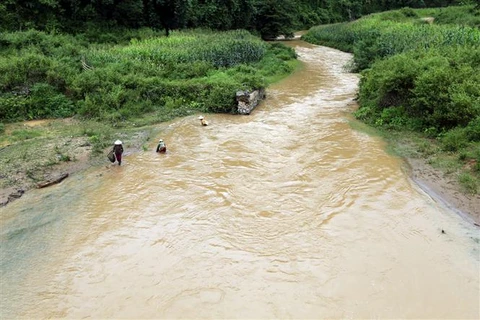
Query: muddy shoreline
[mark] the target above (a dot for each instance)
(444, 189)
(82, 158)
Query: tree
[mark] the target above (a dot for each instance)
(274, 18)
(171, 14)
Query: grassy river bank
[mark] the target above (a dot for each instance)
(39, 150)
(122, 88)
(420, 90)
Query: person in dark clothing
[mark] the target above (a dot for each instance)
(118, 150)
(162, 147)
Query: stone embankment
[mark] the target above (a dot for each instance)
(247, 101)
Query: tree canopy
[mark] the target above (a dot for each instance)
(269, 18)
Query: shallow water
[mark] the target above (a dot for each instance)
(286, 213)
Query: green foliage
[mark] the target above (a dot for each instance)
(117, 81)
(25, 134)
(469, 183)
(392, 118)
(431, 71)
(418, 77)
(220, 49)
(439, 89)
(472, 130)
(409, 12)
(372, 38)
(275, 18)
(454, 140)
(467, 15)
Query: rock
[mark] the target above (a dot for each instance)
(15, 195)
(247, 101)
(52, 181)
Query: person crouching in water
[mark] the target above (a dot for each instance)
(203, 121)
(118, 150)
(162, 147)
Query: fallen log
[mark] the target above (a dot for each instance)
(52, 181)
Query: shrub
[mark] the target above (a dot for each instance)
(473, 130)
(454, 140)
(12, 107)
(468, 182)
(409, 12)
(393, 118)
(438, 88)
(45, 102)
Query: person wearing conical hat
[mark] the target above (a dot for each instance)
(161, 147)
(118, 150)
(203, 121)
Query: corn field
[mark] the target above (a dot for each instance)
(224, 49)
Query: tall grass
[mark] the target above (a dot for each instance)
(48, 75)
(220, 49)
(371, 38)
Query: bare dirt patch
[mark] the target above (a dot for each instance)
(445, 189)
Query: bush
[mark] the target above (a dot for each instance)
(393, 118)
(438, 88)
(454, 140)
(409, 12)
(45, 102)
(473, 130)
(378, 36)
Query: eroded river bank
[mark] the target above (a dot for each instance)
(286, 213)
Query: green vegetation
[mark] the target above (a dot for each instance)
(50, 76)
(120, 65)
(419, 77)
(35, 152)
(268, 18)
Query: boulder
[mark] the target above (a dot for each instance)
(13, 196)
(247, 101)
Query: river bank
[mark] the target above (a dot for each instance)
(294, 218)
(56, 147)
(25, 175)
(444, 189)
(37, 151)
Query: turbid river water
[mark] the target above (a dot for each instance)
(286, 213)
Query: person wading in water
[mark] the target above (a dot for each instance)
(203, 122)
(118, 150)
(162, 147)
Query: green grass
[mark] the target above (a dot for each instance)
(469, 182)
(54, 76)
(25, 134)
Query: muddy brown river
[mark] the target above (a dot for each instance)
(286, 213)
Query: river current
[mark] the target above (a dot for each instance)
(286, 213)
